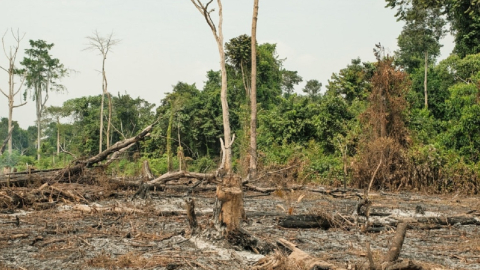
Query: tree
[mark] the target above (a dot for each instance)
(420, 38)
(384, 138)
(463, 16)
(218, 35)
(312, 88)
(238, 53)
(352, 82)
(57, 113)
(253, 97)
(103, 45)
(42, 72)
(289, 80)
(12, 92)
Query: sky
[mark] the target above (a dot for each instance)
(167, 41)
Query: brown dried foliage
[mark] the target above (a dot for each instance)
(385, 137)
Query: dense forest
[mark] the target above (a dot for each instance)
(403, 121)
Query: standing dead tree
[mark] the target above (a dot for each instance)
(229, 193)
(103, 45)
(218, 35)
(253, 96)
(385, 137)
(10, 94)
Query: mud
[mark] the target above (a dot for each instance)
(121, 233)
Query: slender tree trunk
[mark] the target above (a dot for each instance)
(109, 118)
(10, 106)
(104, 88)
(425, 80)
(169, 140)
(101, 124)
(58, 136)
(10, 123)
(253, 97)
(39, 118)
(223, 93)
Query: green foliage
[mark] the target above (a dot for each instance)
(312, 88)
(352, 82)
(9, 160)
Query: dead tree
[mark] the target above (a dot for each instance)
(218, 35)
(79, 165)
(390, 259)
(229, 193)
(103, 45)
(11, 55)
(253, 96)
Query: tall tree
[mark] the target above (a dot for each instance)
(11, 55)
(289, 80)
(218, 35)
(103, 45)
(229, 209)
(42, 72)
(420, 39)
(238, 53)
(57, 113)
(463, 16)
(312, 88)
(253, 96)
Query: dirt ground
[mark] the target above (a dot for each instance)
(107, 229)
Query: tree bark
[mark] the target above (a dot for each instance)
(58, 136)
(39, 119)
(396, 244)
(191, 217)
(101, 124)
(109, 124)
(253, 97)
(230, 194)
(223, 94)
(169, 140)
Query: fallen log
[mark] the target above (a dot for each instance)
(159, 182)
(80, 165)
(390, 259)
(306, 221)
(247, 241)
(303, 258)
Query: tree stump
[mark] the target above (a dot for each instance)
(230, 196)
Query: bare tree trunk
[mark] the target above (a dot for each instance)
(169, 140)
(101, 124)
(11, 57)
(253, 97)
(39, 120)
(223, 93)
(425, 80)
(229, 193)
(109, 118)
(58, 136)
(103, 44)
(10, 123)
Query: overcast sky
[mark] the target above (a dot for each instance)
(167, 41)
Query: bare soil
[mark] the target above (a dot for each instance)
(107, 229)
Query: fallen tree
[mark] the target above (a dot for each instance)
(78, 166)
